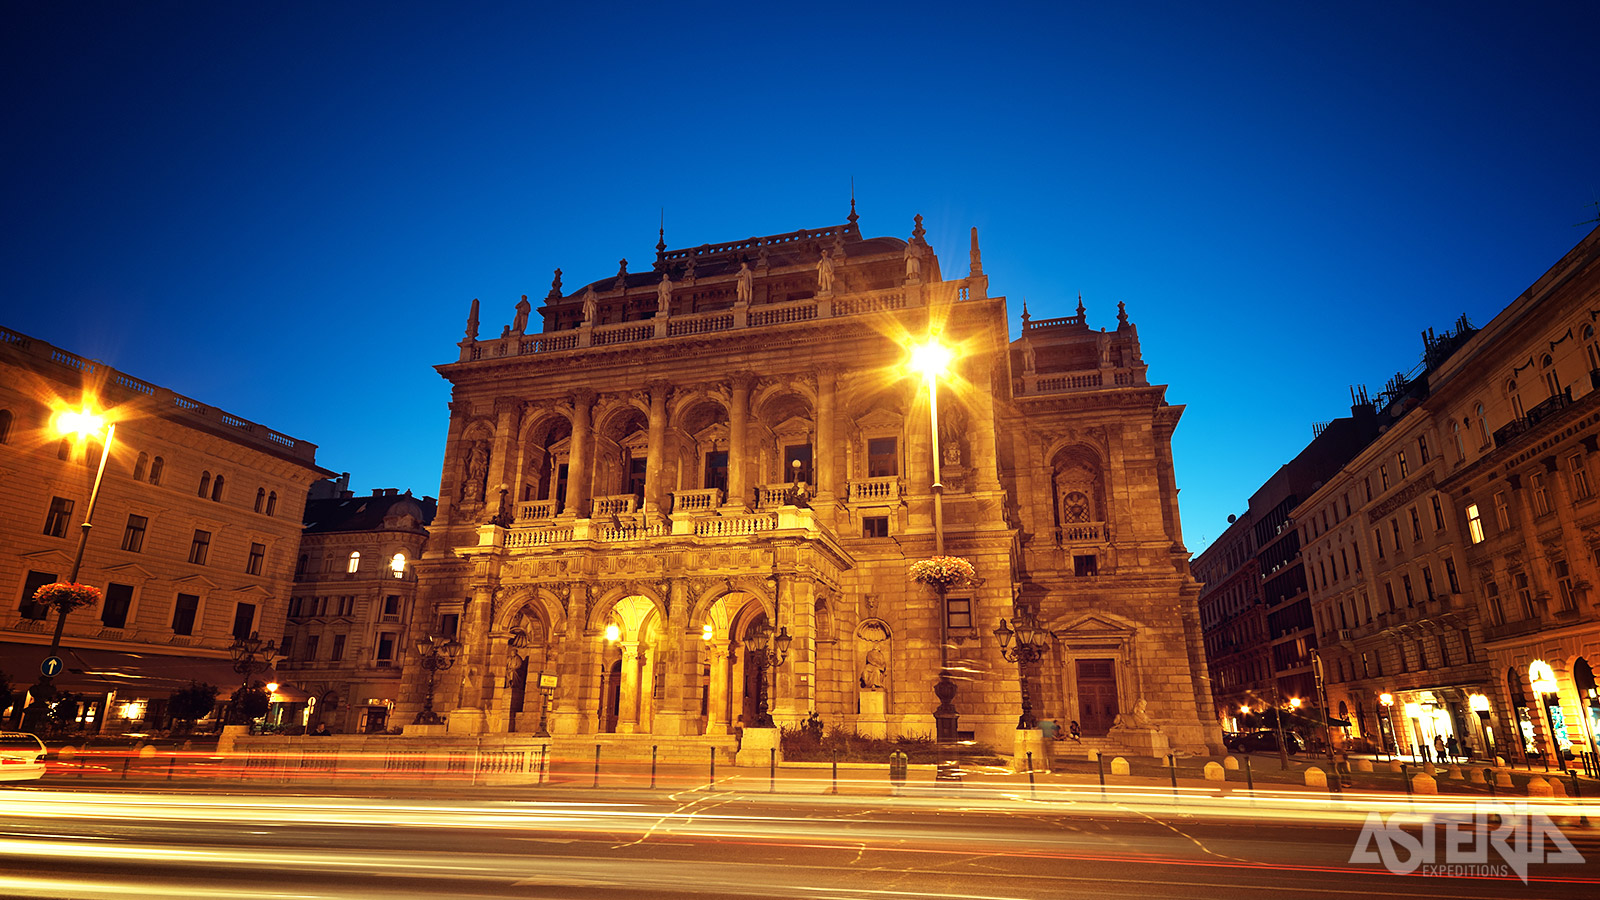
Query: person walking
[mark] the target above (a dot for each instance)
(1438, 747)
(1453, 747)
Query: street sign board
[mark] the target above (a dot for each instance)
(51, 667)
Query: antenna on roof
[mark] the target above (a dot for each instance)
(1595, 205)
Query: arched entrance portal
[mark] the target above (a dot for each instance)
(729, 679)
(629, 641)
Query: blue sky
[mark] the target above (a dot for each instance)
(284, 210)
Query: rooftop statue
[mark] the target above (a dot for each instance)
(520, 323)
(590, 306)
(664, 296)
(825, 274)
(747, 282)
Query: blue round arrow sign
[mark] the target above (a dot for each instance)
(51, 667)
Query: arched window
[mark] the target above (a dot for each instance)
(1483, 425)
(205, 484)
(216, 489)
(1516, 398)
(355, 562)
(156, 466)
(261, 498)
(5, 426)
(1455, 439)
(139, 466)
(272, 502)
(397, 565)
(1552, 380)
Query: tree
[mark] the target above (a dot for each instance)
(249, 704)
(6, 696)
(191, 703)
(63, 710)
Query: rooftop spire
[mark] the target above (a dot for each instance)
(1080, 306)
(977, 259)
(852, 217)
(661, 243)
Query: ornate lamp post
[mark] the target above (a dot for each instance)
(250, 656)
(1028, 648)
(435, 655)
(1542, 679)
(930, 358)
(768, 650)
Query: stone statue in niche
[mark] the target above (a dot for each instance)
(520, 323)
(877, 664)
(474, 485)
(747, 282)
(950, 428)
(825, 273)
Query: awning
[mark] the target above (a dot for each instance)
(129, 674)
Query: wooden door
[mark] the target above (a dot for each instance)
(1097, 695)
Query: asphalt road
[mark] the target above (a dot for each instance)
(276, 842)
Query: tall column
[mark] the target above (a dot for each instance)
(578, 457)
(985, 468)
(628, 715)
(655, 490)
(503, 470)
(567, 717)
(468, 716)
(449, 486)
(650, 659)
(717, 702)
(824, 455)
(678, 652)
(738, 426)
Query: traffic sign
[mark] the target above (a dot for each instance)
(51, 667)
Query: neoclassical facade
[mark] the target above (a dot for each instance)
(731, 441)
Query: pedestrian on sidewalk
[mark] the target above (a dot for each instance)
(1438, 748)
(1453, 747)
(1048, 729)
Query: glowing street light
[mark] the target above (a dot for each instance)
(931, 358)
(435, 655)
(1386, 700)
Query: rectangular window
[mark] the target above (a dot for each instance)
(1377, 538)
(1450, 575)
(1404, 469)
(286, 646)
(55, 524)
(875, 526)
(1344, 559)
(1524, 594)
(244, 620)
(133, 535)
(257, 553)
(448, 623)
(1541, 495)
(337, 652)
(1497, 610)
(35, 580)
(1427, 582)
(958, 612)
(1474, 523)
(391, 606)
(184, 613)
(883, 458)
(638, 466)
(1416, 525)
(347, 606)
(1383, 476)
(717, 470)
(1438, 514)
(1366, 484)
(386, 648)
(114, 608)
(1411, 597)
(1564, 585)
(798, 453)
(1356, 549)
(1580, 477)
(200, 547)
(1422, 446)
(1394, 526)
(311, 646)
(1085, 565)
(1502, 511)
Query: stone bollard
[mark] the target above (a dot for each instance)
(1428, 768)
(1214, 772)
(1453, 772)
(1475, 775)
(1361, 764)
(1423, 783)
(67, 751)
(1502, 777)
(1558, 788)
(1315, 777)
(1230, 764)
(146, 751)
(1538, 787)
(1119, 766)
(1394, 765)
(1500, 762)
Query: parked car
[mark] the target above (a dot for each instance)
(1250, 741)
(21, 756)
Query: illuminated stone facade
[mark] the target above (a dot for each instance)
(193, 538)
(731, 439)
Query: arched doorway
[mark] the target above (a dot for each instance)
(1588, 702)
(1519, 709)
(755, 673)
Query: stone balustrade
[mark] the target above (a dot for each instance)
(1083, 380)
(1083, 533)
(537, 511)
(616, 505)
(884, 489)
(736, 526)
(703, 500)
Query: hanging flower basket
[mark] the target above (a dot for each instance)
(66, 595)
(943, 571)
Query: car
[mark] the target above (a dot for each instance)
(1251, 741)
(21, 756)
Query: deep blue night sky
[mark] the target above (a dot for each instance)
(284, 210)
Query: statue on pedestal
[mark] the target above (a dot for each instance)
(825, 273)
(664, 296)
(591, 306)
(520, 323)
(746, 284)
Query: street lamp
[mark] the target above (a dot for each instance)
(1542, 679)
(1386, 700)
(250, 656)
(83, 424)
(1480, 705)
(612, 635)
(769, 650)
(930, 358)
(435, 655)
(1283, 746)
(1028, 648)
